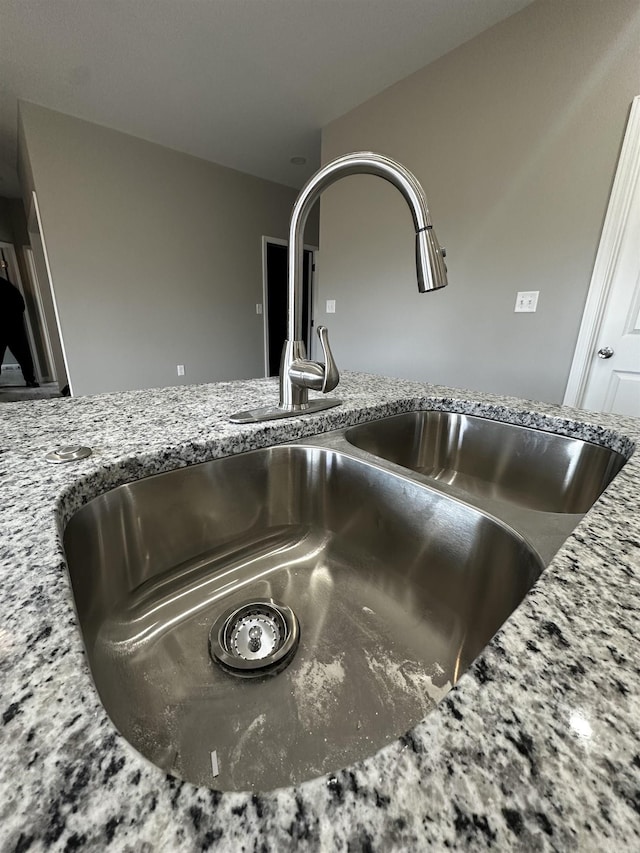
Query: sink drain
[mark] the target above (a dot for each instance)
(258, 637)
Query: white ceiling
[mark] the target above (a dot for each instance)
(245, 83)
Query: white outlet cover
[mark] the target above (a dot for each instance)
(331, 306)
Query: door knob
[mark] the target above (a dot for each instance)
(605, 352)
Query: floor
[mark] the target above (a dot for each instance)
(13, 390)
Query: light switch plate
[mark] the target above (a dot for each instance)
(527, 300)
(331, 306)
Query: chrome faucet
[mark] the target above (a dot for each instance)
(297, 373)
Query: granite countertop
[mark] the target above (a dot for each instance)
(536, 748)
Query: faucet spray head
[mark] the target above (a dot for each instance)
(430, 265)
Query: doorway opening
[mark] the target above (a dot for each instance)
(274, 282)
(33, 322)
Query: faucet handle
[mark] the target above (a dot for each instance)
(314, 374)
(331, 372)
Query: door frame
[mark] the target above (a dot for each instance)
(278, 241)
(36, 232)
(30, 263)
(626, 178)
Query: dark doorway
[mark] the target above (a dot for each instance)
(276, 301)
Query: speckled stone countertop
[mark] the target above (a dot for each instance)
(536, 748)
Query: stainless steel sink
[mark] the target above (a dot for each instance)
(526, 467)
(396, 588)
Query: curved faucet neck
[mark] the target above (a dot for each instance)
(360, 162)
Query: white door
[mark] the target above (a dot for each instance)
(605, 375)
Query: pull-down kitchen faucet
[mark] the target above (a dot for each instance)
(297, 373)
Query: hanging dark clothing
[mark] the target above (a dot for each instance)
(13, 333)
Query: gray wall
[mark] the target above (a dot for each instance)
(155, 255)
(515, 136)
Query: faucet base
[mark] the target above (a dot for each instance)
(272, 413)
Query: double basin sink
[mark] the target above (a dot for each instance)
(400, 546)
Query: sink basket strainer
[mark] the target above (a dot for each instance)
(256, 638)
